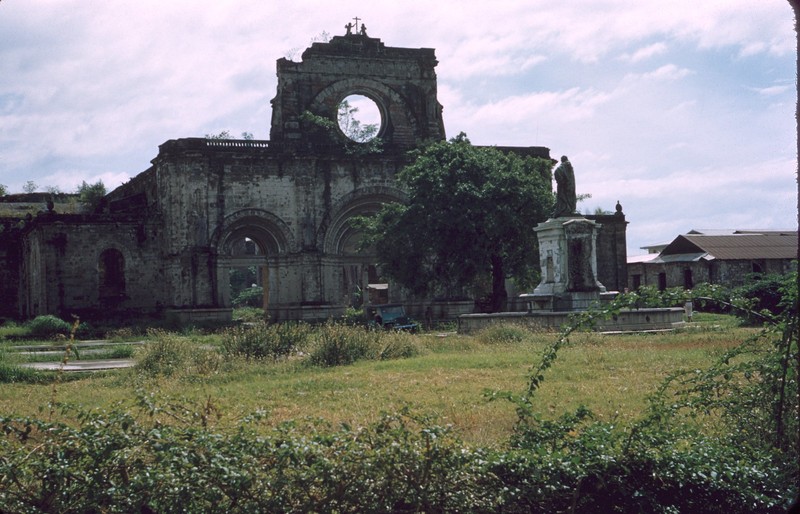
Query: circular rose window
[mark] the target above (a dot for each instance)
(359, 118)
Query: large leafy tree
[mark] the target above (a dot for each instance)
(468, 220)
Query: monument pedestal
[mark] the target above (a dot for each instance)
(568, 260)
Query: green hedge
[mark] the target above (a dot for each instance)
(121, 462)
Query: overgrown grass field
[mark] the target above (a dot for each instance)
(339, 418)
(447, 377)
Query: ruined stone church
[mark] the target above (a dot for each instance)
(164, 244)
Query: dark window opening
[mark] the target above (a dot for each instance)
(688, 282)
(112, 274)
(662, 281)
(637, 282)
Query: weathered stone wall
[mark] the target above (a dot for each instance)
(730, 273)
(296, 210)
(59, 272)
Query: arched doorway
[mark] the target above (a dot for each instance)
(248, 251)
(248, 274)
(358, 275)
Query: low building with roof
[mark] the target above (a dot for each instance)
(727, 257)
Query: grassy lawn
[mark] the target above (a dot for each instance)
(612, 375)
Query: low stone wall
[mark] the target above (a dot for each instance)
(307, 313)
(636, 320)
(185, 317)
(439, 310)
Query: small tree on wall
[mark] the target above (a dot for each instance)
(91, 195)
(360, 138)
(352, 127)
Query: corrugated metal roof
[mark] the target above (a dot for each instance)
(740, 246)
(712, 231)
(682, 257)
(633, 259)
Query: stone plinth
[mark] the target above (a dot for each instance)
(568, 259)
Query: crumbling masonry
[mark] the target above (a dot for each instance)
(164, 243)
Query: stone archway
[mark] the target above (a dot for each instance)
(249, 248)
(355, 268)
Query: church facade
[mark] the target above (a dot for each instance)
(165, 243)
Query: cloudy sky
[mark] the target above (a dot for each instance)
(683, 110)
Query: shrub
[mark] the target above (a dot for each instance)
(167, 354)
(121, 334)
(249, 297)
(264, 341)
(574, 465)
(765, 294)
(502, 333)
(11, 373)
(119, 462)
(353, 316)
(122, 462)
(397, 345)
(249, 314)
(10, 329)
(91, 195)
(335, 344)
(48, 326)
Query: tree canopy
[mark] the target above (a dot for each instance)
(469, 219)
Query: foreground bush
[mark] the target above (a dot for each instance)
(115, 463)
(120, 462)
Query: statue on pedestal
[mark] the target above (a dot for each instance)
(566, 199)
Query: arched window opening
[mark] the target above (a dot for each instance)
(111, 270)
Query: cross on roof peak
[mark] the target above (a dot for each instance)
(350, 26)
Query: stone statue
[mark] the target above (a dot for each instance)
(566, 200)
(349, 28)
(363, 30)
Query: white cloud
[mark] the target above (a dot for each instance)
(667, 72)
(771, 90)
(645, 53)
(650, 104)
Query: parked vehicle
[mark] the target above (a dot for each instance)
(391, 316)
